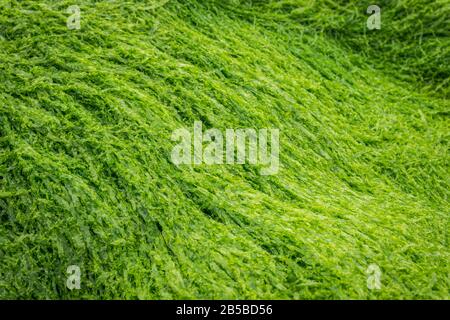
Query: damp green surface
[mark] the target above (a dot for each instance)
(86, 176)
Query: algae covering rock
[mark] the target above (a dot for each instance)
(92, 205)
